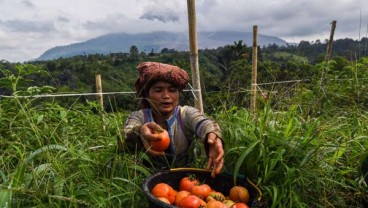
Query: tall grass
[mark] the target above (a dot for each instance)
(52, 156)
(298, 161)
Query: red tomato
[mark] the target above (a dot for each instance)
(202, 190)
(216, 204)
(162, 144)
(187, 183)
(164, 190)
(180, 195)
(239, 205)
(192, 201)
(239, 194)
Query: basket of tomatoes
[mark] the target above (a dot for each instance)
(190, 187)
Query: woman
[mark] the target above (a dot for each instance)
(158, 87)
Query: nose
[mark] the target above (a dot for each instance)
(166, 93)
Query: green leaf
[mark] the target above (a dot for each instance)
(5, 198)
(242, 157)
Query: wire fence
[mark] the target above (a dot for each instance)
(130, 92)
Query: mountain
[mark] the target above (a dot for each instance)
(156, 41)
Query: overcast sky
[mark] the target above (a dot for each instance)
(30, 27)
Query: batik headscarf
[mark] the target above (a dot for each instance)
(151, 72)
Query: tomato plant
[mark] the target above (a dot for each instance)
(162, 144)
(164, 190)
(187, 183)
(239, 194)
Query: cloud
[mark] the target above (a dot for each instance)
(168, 16)
(28, 4)
(30, 27)
(164, 11)
(26, 26)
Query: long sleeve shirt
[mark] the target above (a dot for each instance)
(184, 126)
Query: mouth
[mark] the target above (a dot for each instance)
(166, 104)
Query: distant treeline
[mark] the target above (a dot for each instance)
(225, 72)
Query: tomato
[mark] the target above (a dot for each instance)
(239, 205)
(215, 195)
(187, 183)
(162, 144)
(216, 204)
(164, 190)
(180, 195)
(239, 194)
(201, 190)
(192, 201)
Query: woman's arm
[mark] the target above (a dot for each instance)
(210, 134)
(131, 131)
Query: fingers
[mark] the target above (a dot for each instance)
(153, 126)
(147, 131)
(209, 164)
(216, 154)
(150, 151)
(217, 167)
(155, 153)
(216, 144)
(220, 156)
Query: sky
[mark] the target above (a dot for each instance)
(30, 27)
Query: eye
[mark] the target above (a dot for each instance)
(158, 89)
(173, 89)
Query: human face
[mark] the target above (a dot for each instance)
(163, 97)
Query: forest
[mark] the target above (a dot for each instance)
(305, 146)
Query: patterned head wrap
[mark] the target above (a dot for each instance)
(150, 72)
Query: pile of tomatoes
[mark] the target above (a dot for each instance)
(194, 194)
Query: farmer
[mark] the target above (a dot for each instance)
(158, 87)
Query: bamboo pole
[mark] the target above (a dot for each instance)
(198, 103)
(100, 99)
(330, 41)
(253, 101)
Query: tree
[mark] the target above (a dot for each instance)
(133, 53)
(152, 53)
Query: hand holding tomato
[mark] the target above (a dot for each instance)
(155, 139)
(215, 154)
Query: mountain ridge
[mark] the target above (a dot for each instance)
(156, 41)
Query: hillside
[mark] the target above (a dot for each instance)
(156, 41)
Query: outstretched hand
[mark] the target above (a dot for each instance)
(215, 154)
(148, 133)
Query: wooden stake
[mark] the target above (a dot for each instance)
(253, 100)
(194, 54)
(330, 41)
(100, 99)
